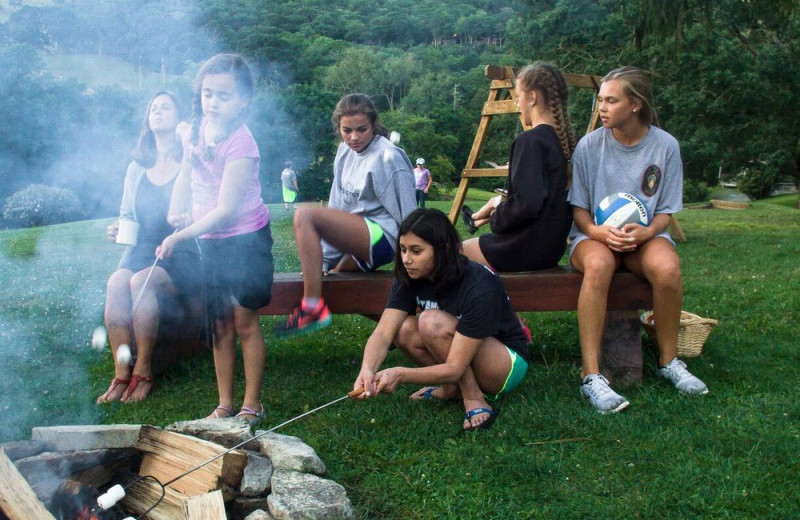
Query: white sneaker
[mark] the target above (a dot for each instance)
(683, 380)
(595, 388)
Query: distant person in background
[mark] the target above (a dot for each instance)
(370, 195)
(629, 154)
(529, 227)
(147, 189)
(217, 199)
(289, 185)
(422, 181)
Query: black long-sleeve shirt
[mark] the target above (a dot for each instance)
(529, 228)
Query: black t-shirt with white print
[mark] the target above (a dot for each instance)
(479, 302)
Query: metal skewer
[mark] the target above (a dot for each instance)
(352, 393)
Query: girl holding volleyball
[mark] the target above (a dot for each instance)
(630, 154)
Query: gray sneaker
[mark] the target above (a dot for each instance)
(683, 380)
(595, 388)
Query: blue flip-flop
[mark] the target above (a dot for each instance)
(427, 395)
(485, 425)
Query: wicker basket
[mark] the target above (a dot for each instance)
(694, 331)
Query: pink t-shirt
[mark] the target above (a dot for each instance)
(251, 213)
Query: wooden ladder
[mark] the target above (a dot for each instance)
(502, 100)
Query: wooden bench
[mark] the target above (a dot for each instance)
(547, 290)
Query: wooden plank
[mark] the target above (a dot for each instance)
(168, 455)
(557, 289)
(486, 172)
(210, 506)
(591, 81)
(546, 290)
(344, 293)
(504, 106)
(17, 499)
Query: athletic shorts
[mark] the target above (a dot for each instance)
(237, 270)
(380, 253)
(289, 195)
(519, 367)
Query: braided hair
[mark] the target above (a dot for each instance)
(234, 65)
(549, 81)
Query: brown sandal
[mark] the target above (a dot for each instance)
(114, 384)
(135, 380)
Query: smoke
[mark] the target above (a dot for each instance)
(52, 299)
(79, 107)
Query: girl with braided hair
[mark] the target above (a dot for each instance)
(529, 228)
(217, 199)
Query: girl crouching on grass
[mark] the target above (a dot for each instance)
(466, 338)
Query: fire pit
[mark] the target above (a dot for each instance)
(166, 474)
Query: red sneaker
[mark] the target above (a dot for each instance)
(303, 320)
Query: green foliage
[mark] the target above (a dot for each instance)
(694, 191)
(22, 244)
(41, 205)
(757, 181)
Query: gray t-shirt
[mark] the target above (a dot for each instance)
(375, 183)
(651, 170)
(288, 178)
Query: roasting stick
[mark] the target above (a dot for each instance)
(117, 492)
(146, 281)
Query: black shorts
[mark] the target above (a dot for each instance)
(237, 270)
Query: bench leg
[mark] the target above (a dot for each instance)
(621, 355)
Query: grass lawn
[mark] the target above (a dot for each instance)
(733, 454)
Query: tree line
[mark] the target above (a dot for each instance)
(723, 72)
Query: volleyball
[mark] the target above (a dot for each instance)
(620, 209)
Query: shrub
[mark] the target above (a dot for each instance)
(41, 205)
(757, 182)
(695, 191)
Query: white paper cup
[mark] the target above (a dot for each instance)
(128, 232)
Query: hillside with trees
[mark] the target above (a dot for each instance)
(724, 77)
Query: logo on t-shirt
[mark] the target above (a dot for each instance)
(651, 180)
(349, 195)
(427, 305)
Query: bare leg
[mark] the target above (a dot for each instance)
(472, 250)
(248, 328)
(486, 373)
(146, 325)
(118, 324)
(346, 232)
(409, 341)
(224, 360)
(658, 262)
(597, 263)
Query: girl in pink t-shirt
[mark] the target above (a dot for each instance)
(217, 199)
